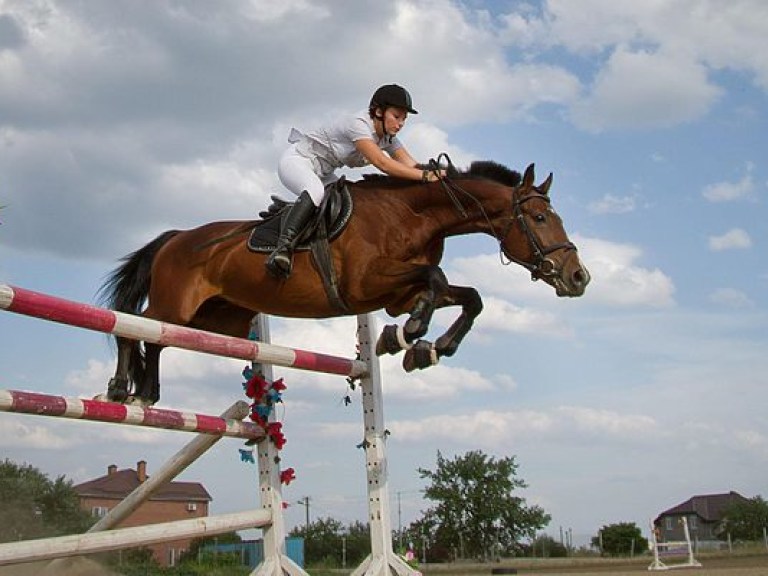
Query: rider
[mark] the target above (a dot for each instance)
(354, 140)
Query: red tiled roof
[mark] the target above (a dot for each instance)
(119, 484)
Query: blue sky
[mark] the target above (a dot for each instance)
(117, 123)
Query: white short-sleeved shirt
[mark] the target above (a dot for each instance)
(333, 145)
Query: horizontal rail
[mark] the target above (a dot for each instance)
(54, 309)
(76, 545)
(112, 412)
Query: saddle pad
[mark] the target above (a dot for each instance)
(336, 210)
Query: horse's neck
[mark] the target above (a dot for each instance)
(464, 210)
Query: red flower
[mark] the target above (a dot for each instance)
(256, 387)
(274, 431)
(287, 476)
(278, 385)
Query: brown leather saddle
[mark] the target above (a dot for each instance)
(330, 219)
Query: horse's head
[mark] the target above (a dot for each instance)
(534, 237)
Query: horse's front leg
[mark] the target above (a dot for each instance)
(471, 306)
(395, 338)
(423, 353)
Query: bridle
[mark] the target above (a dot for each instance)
(542, 266)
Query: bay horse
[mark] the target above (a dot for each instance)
(387, 257)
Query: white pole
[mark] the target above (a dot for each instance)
(276, 561)
(79, 544)
(382, 561)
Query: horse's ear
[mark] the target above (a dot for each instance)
(528, 176)
(544, 188)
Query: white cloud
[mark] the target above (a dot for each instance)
(734, 239)
(503, 316)
(610, 204)
(617, 280)
(731, 298)
(571, 424)
(662, 54)
(17, 431)
(729, 191)
(91, 380)
(644, 90)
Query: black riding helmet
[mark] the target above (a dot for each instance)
(392, 95)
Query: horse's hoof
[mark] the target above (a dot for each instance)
(136, 401)
(388, 342)
(101, 398)
(421, 355)
(117, 390)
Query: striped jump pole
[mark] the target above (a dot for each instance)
(54, 309)
(98, 411)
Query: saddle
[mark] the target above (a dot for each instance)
(329, 221)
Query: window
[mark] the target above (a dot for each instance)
(693, 522)
(171, 557)
(191, 507)
(668, 523)
(99, 511)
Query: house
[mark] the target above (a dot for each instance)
(174, 501)
(704, 514)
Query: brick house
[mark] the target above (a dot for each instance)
(704, 514)
(174, 501)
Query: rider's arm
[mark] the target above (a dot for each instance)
(401, 166)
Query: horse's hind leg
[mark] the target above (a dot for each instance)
(148, 390)
(117, 388)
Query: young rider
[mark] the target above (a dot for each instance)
(309, 164)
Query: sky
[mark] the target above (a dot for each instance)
(121, 120)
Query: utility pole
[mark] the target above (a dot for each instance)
(399, 520)
(305, 502)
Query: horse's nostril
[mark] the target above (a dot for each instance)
(580, 277)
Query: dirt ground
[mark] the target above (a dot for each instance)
(736, 565)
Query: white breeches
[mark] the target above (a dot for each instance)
(299, 173)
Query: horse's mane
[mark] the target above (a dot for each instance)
(478, 169)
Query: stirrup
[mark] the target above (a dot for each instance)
(280, 263)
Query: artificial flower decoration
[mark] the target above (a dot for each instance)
(247, 456)
(287, 476)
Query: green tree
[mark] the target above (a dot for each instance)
(745, 519)
(195, 546)
(620, 539)
(476, 512)
(358, 542)
(545, 546)
(35, 506)
(322, 542)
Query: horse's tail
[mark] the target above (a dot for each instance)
(126, 290)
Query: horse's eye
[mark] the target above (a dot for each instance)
(540, 218)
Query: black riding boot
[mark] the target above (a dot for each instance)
(279, 262)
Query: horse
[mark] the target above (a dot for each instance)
(387, 257)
